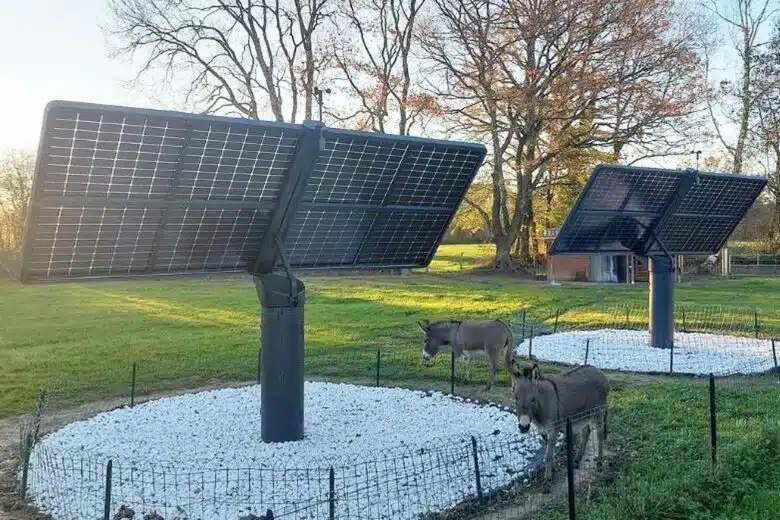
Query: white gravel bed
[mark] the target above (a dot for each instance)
(396, 454)
(629, 350)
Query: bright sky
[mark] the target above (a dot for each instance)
(56, 50)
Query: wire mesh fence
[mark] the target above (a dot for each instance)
(616, 337)
(495, 476)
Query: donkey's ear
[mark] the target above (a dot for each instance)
(535, 372)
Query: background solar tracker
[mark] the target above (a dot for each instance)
(126, 192)
(622, 209)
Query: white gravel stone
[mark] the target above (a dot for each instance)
(396, 454)
(629, 350)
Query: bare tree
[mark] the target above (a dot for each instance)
(373, 56)
(744, 19)
(767, 105)
(238, 57)
(465, 47)
(16, 174)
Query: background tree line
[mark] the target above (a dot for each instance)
(551, 87)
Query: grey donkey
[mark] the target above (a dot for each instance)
(466, 338)
(548, 400)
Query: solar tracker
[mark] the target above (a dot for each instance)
(123, 191)
(648, 211)
(656, 213)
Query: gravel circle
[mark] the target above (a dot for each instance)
(395, 453)
(629, 350)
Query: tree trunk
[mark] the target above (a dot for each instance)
(503, 259)
(744, 115)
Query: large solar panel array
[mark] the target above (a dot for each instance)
(126, 192)
(648, 211)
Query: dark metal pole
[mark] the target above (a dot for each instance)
(476, 468)
(755, 322)
(523, 330)
(661, 302)
(378, 355)
(774, 354)
(713, 423)
(555, 327)
(671, 359)
(132, 387)
(452, 372)
(530, 344)
(281, 365)
(587, 350)
(107, 499)
(331, 494)
(570, 468)
(684, 325)
(28, 443)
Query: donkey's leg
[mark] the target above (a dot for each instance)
(549, 454)
(601, 435)
(493, 371)
(467, 362)
(584, 436)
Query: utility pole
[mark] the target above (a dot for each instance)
(318, 92)
(697, 152)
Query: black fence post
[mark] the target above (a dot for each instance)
(476, 468)
(531, 344)
(555, 327)
(132, 387)
(628, 315)
(28, 443)
(774, 354)
(107, 500)
(671, 359)
(378, 361)
(570, 468)
(523, 330)
(684, 325)
(755, 322)
(331, 494)
(461, 261)
(587, 350)
(713, 422)
(452, 372)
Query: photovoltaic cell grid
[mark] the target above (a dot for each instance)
(621, 208)
(708, 213)
(123, 192)
(395, 199)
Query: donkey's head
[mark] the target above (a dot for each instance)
(527, 396)
(434, 337)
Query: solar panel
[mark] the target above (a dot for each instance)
(125, 192)
(646, 211)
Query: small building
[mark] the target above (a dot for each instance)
(593, 268)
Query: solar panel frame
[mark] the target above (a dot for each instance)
(663, 225)
(280, 209)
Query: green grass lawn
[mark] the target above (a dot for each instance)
(78, 341)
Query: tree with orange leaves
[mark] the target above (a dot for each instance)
(538, 78)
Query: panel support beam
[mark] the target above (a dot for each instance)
(661, 270)
(309, 147)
